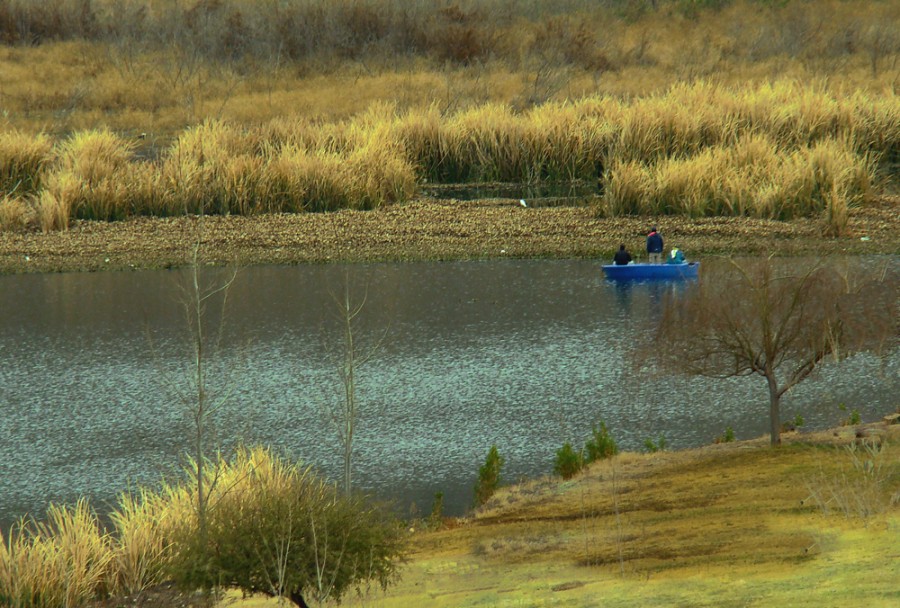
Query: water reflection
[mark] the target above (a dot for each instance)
(524, 354)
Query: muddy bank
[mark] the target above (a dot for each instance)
(428, 230)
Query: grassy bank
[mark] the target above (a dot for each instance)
(814, 522)
(430, 230)
(734, 524)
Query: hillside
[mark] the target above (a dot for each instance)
(732, 524)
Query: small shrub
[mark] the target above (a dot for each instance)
(728, 437)
(792, 425)
(277, 523)
(867, 487)
(437, 510)
(488, 477)
(568, 462)
(658, 446)
(852, 419)
(601, 445)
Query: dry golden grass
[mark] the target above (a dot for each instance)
(139, 546)
(63, 560)
(780, 150)
(724, 525)
(175, 77)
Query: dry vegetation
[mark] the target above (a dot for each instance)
(777, 151)
(428, 230)
(732, 524)
(159, 67)
(71, 559)
(753, 126)
(778, 110)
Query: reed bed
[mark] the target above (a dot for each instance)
(62, 561)
(67, 559)
(140, 551)
(23, 158)
(752, 178)
(780, 150)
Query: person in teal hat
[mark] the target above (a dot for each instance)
(676, 256)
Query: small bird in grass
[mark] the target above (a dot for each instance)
(522, 202)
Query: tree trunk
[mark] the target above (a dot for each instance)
(298, 600)
(774, 410)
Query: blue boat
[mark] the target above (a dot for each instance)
(651, 271)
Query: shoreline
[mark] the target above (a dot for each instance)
(429, 230)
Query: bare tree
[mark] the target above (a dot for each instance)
(777, 321)
(354, 352)
(196, 296)
(202, 297)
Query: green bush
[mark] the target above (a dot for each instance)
(852, 419)
(568, 462)
(601, 444)
(488, 477)
(728, 437)
(658, 446)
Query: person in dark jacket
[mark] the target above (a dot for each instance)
(655, 246)
(622, 257)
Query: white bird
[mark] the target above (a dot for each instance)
(522, 202)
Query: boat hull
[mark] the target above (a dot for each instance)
(672, 272)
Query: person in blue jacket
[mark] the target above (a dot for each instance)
(655, 246)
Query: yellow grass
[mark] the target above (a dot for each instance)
(650, 101)
(139, 546)
(726, 525)
(61, 561)
(15, 213)
(780, 151)
(22, 160)
(163, 84)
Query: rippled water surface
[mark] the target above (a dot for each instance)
(522, 354)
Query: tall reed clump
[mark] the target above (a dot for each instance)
(16, 213)
(379, 169)
(63, 561)
(23, 158)
(751, 178)
(295, 179)
(359, 164)
(91, 175)
(140, 550)
(212, 168)
(486, 143)
(424, 137)
(56, 203)
(276, 527)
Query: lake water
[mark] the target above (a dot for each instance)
(522, 354)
